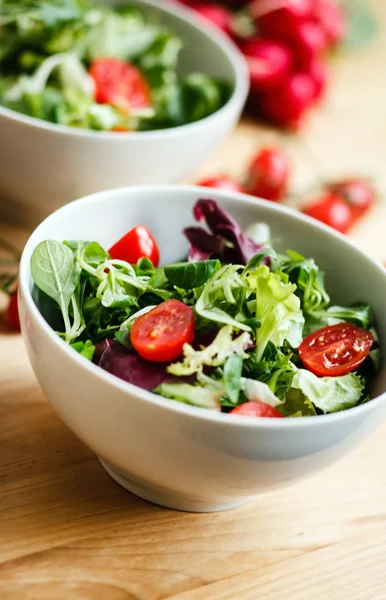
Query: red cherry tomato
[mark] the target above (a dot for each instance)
(332, 19)
(256, 409)
(221, 182)
(317, 70)
(287, 105)
(308, 41)
(269, 173)
(119, 83)
(160, 334)
(331, 210)
(336, 349)
(358, 194)
(136, 244)
(13, 312)
(217, 15)
(269, 63)
(277, 19)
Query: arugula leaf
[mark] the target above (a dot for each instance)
(329, 394)
(191, 275)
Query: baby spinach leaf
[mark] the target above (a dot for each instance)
(94, 254)
(191, 275)
(53, 271)
(232, 377)
(48, 308)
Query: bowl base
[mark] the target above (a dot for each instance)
(171, 500)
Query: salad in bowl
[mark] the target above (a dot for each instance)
(92, 66)
(234, 327)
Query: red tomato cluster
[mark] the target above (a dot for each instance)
(285, 48)
(339, 205)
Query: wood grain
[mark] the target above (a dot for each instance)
(67, 532)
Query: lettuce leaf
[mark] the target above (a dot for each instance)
(277, 308)
(329, 394)
(213, 355)
(190, 394)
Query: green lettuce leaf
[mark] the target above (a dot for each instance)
(277, 308)
(190, 394)
(214, 355)
(329, 394)
(296, 404)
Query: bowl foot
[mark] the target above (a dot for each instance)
(171, 500)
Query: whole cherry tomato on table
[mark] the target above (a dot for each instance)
(137, 243)
(256, 409)
(269, 174)
(332, 210)
(358, 193)
(120, 84)
(269, 63)
(160, 334)
(336, 349)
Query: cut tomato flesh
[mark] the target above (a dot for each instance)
(336, 349)
(160, 334)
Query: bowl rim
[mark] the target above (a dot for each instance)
(192, 18)
(223, 419)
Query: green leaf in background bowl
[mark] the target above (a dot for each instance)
(362, 25)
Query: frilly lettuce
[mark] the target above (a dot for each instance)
(277, 308)
(213, 355)
(329, 394)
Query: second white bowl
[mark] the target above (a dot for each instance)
(43, 165)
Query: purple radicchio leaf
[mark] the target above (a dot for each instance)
(236, 247)
(113, 357)
(202, 244)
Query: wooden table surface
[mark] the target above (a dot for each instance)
(68, 532)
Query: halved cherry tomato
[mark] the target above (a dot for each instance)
(256, 409)
(119, 83)
(160, 334)
(136, 244)
(336, 349)
(13, 312)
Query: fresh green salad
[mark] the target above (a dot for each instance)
(86, 65)
(236, 328)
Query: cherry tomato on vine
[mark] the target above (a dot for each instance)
(160, 334)
(120, 84)
(336, 349)
(256, 409)
(332, 210)
(137, 243)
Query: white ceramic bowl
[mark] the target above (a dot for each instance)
(166, 452)
(43, 165)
